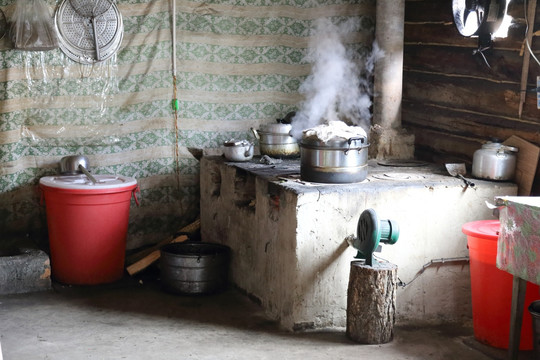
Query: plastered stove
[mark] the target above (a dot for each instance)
(288, 236)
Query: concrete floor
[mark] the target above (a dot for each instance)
(135, 320)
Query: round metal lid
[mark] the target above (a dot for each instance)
(76, 33)
(276, 128)
(81, 182)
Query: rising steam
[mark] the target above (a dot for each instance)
(339, 86)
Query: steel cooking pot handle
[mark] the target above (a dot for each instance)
(255, 133)
(88, 175)
(351, 140)
(354, 139)
(248, 150)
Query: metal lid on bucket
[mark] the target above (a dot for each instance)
(82, 182)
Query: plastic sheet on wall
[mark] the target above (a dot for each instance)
(32, 26)
(84, 93)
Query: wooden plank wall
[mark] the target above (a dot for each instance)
(452, 101)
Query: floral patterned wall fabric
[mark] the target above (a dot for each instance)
(239, 64)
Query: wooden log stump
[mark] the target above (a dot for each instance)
(371, 302)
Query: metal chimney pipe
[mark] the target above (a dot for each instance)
(388, 72)
(388, 139)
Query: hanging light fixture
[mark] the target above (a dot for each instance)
(481, 19)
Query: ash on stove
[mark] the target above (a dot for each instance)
(399, 176)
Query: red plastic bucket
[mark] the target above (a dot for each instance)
(491, 289)
(87, 227)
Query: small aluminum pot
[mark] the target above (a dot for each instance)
(335, 161)
(238, 150)
(69, 165)
(279, 144)
(495, 161)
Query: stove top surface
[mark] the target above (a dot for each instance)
(387, 173)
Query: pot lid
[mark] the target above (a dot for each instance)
(276, 128)
(233, 142)
(81, 182)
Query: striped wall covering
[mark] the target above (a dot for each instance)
(239, 64)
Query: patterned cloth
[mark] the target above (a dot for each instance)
(518, 249)
(240, 64)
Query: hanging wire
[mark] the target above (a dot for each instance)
(175, 97)
(480, 51)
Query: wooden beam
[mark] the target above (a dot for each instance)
(531, 12)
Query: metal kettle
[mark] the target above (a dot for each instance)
(495, 161)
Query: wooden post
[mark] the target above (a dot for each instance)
(371, 302)
(531, 12)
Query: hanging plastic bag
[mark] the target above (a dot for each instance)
(32, 26)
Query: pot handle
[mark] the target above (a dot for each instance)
(361, 138)
(255, 133)
(505, 148)
(248, 150)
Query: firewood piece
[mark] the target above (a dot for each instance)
(151, 258)
(371, 302)
(191, 228)
(186, 230)
(143, 263)
(133, 258)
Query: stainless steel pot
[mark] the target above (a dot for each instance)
(494, 161)
(69, 165)
(338, 160)
(275, 140)
(238, 150)
(194, 268)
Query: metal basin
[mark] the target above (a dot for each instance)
(194, 268)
